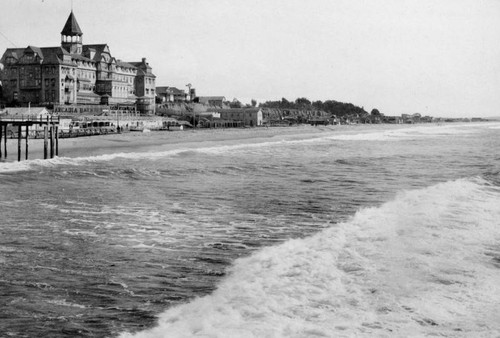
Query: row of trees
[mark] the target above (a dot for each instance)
(237, 104)
(330, 106)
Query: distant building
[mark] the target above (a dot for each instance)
(250, 117)
(75, 74)
(171, 94)
(215, 101)
(392, 119)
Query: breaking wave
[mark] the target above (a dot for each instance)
(425, 263)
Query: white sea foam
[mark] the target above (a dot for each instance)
(63, 302)
(414, 132)
(415, 266)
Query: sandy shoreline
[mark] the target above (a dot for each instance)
(137, 141)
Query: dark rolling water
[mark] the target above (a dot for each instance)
(378, 233)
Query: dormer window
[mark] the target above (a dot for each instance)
(28, 58)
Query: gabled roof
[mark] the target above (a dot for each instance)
(48, 55)
(71, 27)
(53, 55)
(143, 68)
(98, 49)
(53, 50)
(16, 53)
(162, 90)
(35, 50)
(170, 90)
(176, 90)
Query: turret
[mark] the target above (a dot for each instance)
(71, 36)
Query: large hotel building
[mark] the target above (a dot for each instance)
(75, 75)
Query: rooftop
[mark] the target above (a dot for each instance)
(71, 27)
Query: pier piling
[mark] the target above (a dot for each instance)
(27, 137)
(57, 140)
(5, 141)
(45, 142)
(13, 127)
(19, 133)
(51, 141)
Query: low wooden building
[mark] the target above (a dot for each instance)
(249, 117)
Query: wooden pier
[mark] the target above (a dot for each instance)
(16, 125)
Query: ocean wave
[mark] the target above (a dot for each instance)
(410, 133)
(418, 265)
(8, 167)
(249, 145)
(38, 164)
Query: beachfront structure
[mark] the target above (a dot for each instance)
(121, 122)
(171, 94)
(410, 119)
(167, 94)
(75, 74)
(392, 119)
(25, 114)
(216, 101)
(250, 117)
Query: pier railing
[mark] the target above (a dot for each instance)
(28, 119)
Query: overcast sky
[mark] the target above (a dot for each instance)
(437, 57)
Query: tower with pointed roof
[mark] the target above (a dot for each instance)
(71, 36)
